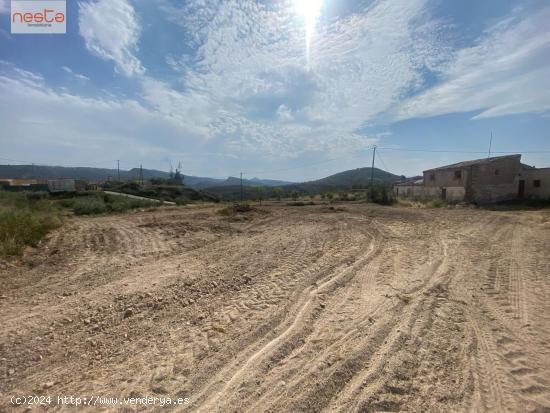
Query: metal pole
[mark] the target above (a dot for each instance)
(490, 144)
(241, 187)
(372, 173)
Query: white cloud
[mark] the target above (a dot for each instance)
(78, 130)
(284, 113)
(245, 88)
(111, 31)
(190, 110)
(72, 73)
(24, 76)
(506, 72)
(250, 64)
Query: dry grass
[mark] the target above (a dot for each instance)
(24, 220)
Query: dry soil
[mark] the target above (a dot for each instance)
(285, 309)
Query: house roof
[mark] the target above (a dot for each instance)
(475, 162)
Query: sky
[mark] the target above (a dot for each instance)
(282, 89)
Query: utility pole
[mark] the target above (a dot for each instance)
(241, 187)
(171, 170)
(372, 173)
(141, 174)
(118, 169)
(490, 144)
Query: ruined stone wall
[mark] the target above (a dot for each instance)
(541, 175)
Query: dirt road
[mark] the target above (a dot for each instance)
(282, 309)
(138, 197)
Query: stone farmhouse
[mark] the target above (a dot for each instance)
(480, 181)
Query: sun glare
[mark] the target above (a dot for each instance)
(310, 10)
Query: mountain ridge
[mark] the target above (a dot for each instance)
(358, 178)
(95, 174)
(226, 188)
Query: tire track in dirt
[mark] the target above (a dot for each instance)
(330, 327)
(507, 374)
(302, 311)
(258, 298)
(365, 309)
(309, 368)
(371, 380)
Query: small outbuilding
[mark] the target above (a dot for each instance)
(61, 185)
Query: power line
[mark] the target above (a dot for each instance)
(382, 160)
(455, 151)
(396, 150)
(292, 168)
(61, 165)
(306, 166)
(299, 167)
(16, 160)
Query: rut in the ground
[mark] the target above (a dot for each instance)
(287, 309)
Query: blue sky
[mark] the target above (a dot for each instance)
(224, 86)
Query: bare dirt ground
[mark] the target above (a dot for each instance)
(282, 309)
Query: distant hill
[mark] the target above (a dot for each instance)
(233, 181)
(95, 174)
(269, 182)
(354, 178)
(199, 182)
(223, 188)
(342, 181)
(92, 174)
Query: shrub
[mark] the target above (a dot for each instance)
(278, 192)
(406, 203)
(104, 203)
(182, 201)
(38, 195)
(24, 221)
(379, 194)
(436, 203)
(228, 211)
(300, 203)
(231, 210)
(89, 206)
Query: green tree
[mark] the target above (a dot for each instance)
(158, 181)
(259, 194)
(278, 193)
